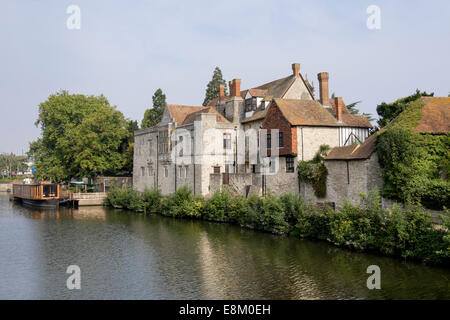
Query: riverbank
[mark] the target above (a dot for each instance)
(402, 232)
(5, 187)
(155, 257)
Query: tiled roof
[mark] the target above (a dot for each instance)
(278, 87)
(274, 89)
(257, 115)
(350, 120)
(435, 115)
(180, 112)
(353, 152)
(305, 113)
(257, 92)
(191, 117)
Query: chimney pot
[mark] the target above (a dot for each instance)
(323, 87)
(296, 70)
(339, 103)
(235, 87)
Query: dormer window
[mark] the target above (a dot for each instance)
(248, 104)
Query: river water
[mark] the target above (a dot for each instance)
(123, 255)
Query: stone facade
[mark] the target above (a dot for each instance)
(204, 148)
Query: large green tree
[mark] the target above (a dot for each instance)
(80, 136)
(389, 111)
(153, 116)
(212, 89)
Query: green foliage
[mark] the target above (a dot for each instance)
(152, 200)
(153, 116)
(80, 136)
(315, 172)
(408, 232)
(212, 89)
(414, 166)
(10, 164)
(182, 204)
(389, 111)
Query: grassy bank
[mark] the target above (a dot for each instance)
(407, 233)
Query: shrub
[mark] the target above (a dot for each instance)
(182, 204)
(218, 207)
(315, 172)
(152, 200)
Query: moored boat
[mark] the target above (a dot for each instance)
(40, 194)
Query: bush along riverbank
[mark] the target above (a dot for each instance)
(404, 232)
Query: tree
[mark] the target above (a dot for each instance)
(153, 116)
(212, 89)
(353, 110)
(127, 148)
(389, 111)
(11, 164)
(80, 137)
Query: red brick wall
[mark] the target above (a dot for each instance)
(275, 120)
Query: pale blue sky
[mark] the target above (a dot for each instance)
(128, 49)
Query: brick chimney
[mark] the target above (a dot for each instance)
(235, 87)
(339, 106)
(323, 87)
(296, 70)
(221, 91)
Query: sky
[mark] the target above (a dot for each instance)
(126, 50)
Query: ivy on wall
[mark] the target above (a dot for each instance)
(415, 166)
(315, 172)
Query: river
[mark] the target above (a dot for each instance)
(123, 255)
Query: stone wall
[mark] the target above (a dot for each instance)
(309, 140)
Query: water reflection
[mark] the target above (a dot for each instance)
(127, 255)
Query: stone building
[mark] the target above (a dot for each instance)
(354, 169)
(250, 140)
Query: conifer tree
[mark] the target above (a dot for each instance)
(212, 89)
(153, 116)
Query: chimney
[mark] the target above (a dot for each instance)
(323, 86)
(296, 70)
(339, 106)
(221, 91)
(235, 88)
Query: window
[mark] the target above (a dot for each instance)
(217, 170)
(179, 171)
(163, 142)
(166, 172)
(248, 105)
(143, 171)
(180, 141)
(186, 168)
(280, 140)
(269, 140)
(289, 164)
(227, 141)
